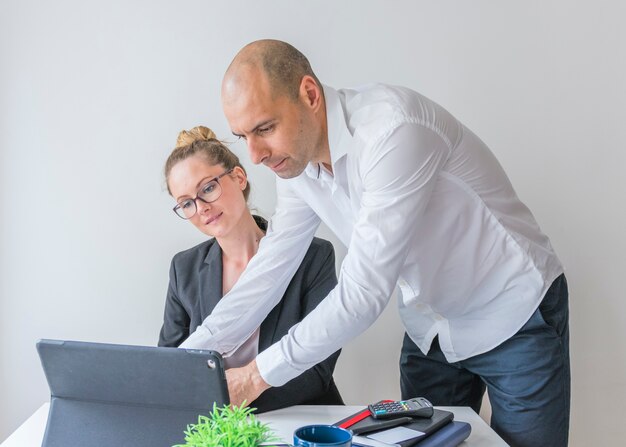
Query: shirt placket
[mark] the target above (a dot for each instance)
(342, 205)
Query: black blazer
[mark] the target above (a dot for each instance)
(196, 287)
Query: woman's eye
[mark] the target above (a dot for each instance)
(208, 188)
(186, 204)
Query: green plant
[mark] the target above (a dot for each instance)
(227, 427)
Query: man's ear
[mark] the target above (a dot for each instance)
(310, 92)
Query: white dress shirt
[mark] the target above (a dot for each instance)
(422, 204)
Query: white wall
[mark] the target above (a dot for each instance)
(92, 95)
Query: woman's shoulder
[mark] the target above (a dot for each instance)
(318, 244)
(194, 254)
(315, 276)
(319, 251)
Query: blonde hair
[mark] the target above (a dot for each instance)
(202, 141)
(198, 133)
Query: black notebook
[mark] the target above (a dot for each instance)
(423, 427)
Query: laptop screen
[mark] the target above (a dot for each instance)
(105, 394)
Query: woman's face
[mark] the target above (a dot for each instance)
(217, 218)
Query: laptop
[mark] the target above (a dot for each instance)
(104, 395)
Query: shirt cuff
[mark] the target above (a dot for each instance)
(198, 340)
(274, 367)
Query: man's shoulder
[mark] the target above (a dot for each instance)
(375, 110)
(378, 98)
(372, 110)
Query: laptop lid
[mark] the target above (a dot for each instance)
(105, 394)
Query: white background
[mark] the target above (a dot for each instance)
(92, 95)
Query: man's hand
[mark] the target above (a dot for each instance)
(245, 383)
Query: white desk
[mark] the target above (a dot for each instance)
(283, 422)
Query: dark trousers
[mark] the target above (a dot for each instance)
(528, 376)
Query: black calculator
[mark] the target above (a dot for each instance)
(416, 407)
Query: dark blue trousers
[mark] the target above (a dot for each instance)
(528, 376)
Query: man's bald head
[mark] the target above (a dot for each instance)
(273, 100)
(282, 65)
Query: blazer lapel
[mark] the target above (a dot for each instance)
(212, 293)
(212, 283)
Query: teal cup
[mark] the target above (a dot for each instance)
(322, 436)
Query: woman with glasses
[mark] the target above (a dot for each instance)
(211, 189)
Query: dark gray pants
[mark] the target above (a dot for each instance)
(528, 376)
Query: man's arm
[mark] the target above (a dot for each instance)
(399, 174)
(265, 279)
(314, 280)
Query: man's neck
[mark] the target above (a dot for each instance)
(324, 156)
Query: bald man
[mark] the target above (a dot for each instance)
(422, 205)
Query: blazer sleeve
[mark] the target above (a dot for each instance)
(316, 385)
(176, 320)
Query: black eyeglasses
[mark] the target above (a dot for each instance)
(209, 192)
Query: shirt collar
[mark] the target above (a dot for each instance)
(339, 137)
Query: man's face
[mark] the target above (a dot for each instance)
(280, 132)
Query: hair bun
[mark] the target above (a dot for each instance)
(198, 133)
